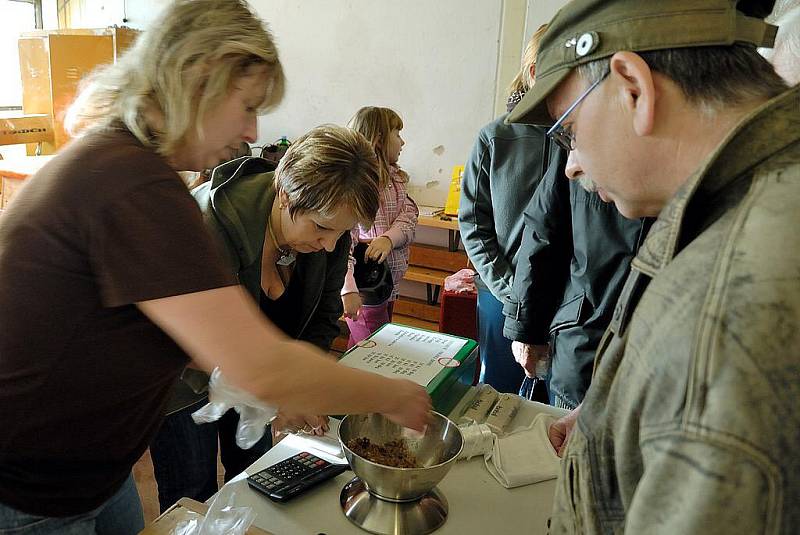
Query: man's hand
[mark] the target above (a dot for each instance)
(528, 355)
(379, 248)
(561, 429)
(352, 304)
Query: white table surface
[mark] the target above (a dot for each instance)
(477, 502)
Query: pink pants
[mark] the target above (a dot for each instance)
(369, 319)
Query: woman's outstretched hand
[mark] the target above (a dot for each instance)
(410, 405)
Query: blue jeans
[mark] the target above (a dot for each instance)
(185, 455)
(498, 367)
(120, 515)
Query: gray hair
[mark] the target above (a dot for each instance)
(710, 77)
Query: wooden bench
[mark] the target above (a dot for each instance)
(448, 223)
(431, 264)
(417, 308)
(432, 278)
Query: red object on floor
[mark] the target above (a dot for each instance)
(458, 315)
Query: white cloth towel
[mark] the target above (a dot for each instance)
(525, 456)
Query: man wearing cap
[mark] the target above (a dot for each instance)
(692, 422)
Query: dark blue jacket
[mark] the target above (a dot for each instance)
(575, 254)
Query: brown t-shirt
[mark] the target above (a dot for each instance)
(84, 375)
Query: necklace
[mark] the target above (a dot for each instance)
(286, 257)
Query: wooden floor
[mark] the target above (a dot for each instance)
(146, 483)
(148, 490)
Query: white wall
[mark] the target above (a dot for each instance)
(442, 65)
(139, 13)
(540, 12)
(432, 62)
(435, 63)
(96, 13)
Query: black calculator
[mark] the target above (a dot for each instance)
(288, 478)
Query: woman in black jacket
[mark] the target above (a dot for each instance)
(285, 235)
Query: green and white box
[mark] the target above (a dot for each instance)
(443, 363)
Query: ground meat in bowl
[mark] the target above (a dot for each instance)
(394, 453)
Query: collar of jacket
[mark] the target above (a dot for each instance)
(242, 193)
(766, 131)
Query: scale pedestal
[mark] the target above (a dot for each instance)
(383, 517)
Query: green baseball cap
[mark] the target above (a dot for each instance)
(587, 30)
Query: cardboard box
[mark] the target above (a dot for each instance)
(185, 509)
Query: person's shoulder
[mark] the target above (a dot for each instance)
(246, 169)
(99, 169)
(113, 158)
(498, 128)
(112, 145)
(240, 180)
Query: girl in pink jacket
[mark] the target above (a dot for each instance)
(391, 235)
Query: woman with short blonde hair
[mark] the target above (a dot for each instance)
(286, 236)
(328, 168)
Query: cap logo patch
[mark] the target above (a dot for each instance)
(586, 44)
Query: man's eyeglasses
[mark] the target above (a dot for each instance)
(561, 135)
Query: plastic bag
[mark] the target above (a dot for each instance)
(462, 281)
(784, 55)
(254, 415)
(223, 516)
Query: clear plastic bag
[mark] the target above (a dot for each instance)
(254, 415)
(785, 55)
(223, 516)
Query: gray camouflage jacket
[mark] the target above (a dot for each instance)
(692, 422)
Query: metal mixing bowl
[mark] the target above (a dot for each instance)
(436, 450)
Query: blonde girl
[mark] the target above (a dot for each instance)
(391, 235)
